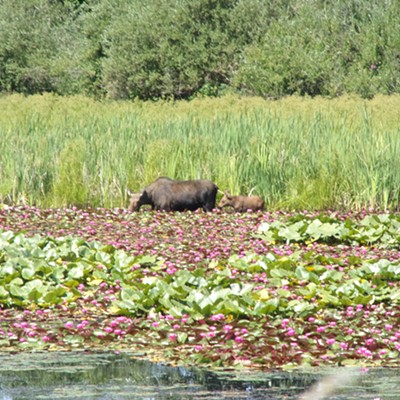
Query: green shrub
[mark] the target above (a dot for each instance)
(167, 49)
(39, 48)
(326, 48)
(186, 48)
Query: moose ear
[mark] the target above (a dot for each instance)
(227, 194)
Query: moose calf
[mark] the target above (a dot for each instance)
(241, 203)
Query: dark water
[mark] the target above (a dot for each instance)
(113, 377)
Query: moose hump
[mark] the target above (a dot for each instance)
(173, 195)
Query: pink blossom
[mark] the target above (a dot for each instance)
(388, 327)
(364, 352)
(217, 317)
(291, 332)
(172, 337)
(284, 322)
(227, 328)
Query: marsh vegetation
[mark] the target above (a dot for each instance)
(297, 153)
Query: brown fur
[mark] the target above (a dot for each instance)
(170, 195)
(134, 201)
(241, 203)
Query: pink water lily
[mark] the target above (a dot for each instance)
(202, 289)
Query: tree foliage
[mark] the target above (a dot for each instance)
(180, 48)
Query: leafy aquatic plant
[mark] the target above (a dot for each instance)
(210, 289)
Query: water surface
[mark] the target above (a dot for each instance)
(107, 376)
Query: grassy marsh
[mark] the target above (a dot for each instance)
(296, 152)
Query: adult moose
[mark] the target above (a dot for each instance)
(241, 203)
(172, 195)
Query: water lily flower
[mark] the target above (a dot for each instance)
(172, 337)
(227, 328)
(388, 327)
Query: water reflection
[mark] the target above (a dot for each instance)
(88, 376)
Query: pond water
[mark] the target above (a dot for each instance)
(107, 376)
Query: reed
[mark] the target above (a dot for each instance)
(296, 152)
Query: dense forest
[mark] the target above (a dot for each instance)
(179, 49)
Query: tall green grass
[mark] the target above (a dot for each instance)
(296, 152)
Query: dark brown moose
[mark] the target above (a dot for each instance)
(241, 203)
(171, 195)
